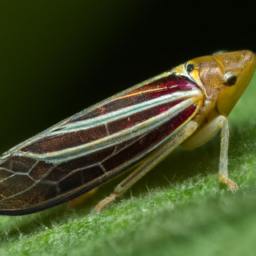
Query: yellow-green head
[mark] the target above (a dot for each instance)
(224, 76)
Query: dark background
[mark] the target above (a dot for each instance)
(59, 57)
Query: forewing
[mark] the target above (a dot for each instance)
(89, 148)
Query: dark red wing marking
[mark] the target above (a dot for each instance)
(144, 93)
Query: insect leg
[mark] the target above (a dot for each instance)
(149, 163)
(204, 135)
(223, 164)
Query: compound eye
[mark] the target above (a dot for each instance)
(229, 79)
(190, 67)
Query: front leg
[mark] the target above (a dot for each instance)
(223, 164)
(205, 134)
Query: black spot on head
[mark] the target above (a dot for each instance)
(190, 67)
(229, 79)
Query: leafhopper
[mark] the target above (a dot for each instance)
(140, 126)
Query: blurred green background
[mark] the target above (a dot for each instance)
(59, 57)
